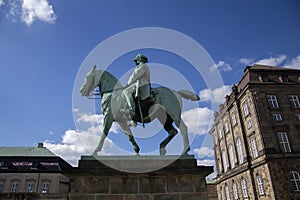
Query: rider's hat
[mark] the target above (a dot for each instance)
(141, 58)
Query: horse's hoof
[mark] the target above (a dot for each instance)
(162, 151)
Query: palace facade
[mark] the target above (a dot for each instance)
(256, 135)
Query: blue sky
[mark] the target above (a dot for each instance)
(43, 44)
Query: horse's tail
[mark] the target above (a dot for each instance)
(189, 95)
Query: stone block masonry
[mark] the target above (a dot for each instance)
(181, 180)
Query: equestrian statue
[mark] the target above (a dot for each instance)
(137, 102)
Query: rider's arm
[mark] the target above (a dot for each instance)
(139, 72)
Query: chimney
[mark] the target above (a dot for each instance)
(40, 145)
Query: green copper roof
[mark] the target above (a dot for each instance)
(26, 151)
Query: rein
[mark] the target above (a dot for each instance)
(98, 93)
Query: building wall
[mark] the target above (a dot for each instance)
(248, 117)
(57, 183)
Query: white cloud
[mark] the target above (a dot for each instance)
(204, 152)
(280, 60)
(206, 162)
(295, 63)
(216, 95)
(197, 120)
(222, 66)
(246, 61)
(95, 120)
(37, 10)
(272, 61)
(76, 143)
(91, 118)
(1, 2)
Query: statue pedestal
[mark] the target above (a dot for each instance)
(182, 179)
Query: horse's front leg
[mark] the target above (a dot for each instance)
(107, 122)
(125, 128)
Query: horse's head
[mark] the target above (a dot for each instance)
(90, 83)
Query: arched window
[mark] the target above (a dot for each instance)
(235, 191)
(224, 161)
(227, 192)
(295, 180)
(240, 150)
(244, 187)
(231, 156)
(260, 185)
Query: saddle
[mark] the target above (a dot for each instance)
(145, 106)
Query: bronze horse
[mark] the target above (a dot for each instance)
(165, 105)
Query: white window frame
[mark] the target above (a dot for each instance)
(227, 194)
(277, 117)
(260, 185)
(249, 124)
(233, 119)
(14, 186)
(225, 166)
(235, 191)
(273, 102)
(226, 127)
(246, 109)
(231, 156)
(240, 150)
(254, 148)
(244, 188)
(220, 131)
(294, 100)
(295, 180)
(30, 186)
(284, 143)
(45, 187)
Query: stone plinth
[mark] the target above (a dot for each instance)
(182, 179)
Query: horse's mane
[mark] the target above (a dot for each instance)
(107, 80)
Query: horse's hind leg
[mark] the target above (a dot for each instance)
(183, 129)
(107, 122)
(171, 134)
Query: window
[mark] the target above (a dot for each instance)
(283, 142)
(254, 148)
(45, 187)
(294, 101)
(246, 109)
(265, 77)
(249, 124)
(224, 161)
(260, 185)
(30, 186)
(14, 187)
(298, 117)
(240, 150)
(226, 127)
(235, 192)
(277, 117)
(284, 78)
(222, 193)
(220, 133)
(231, 156)
(227, 192)
(295, 180)
(1, 186)
(244, 188)
(273, 103)
(233, 119)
